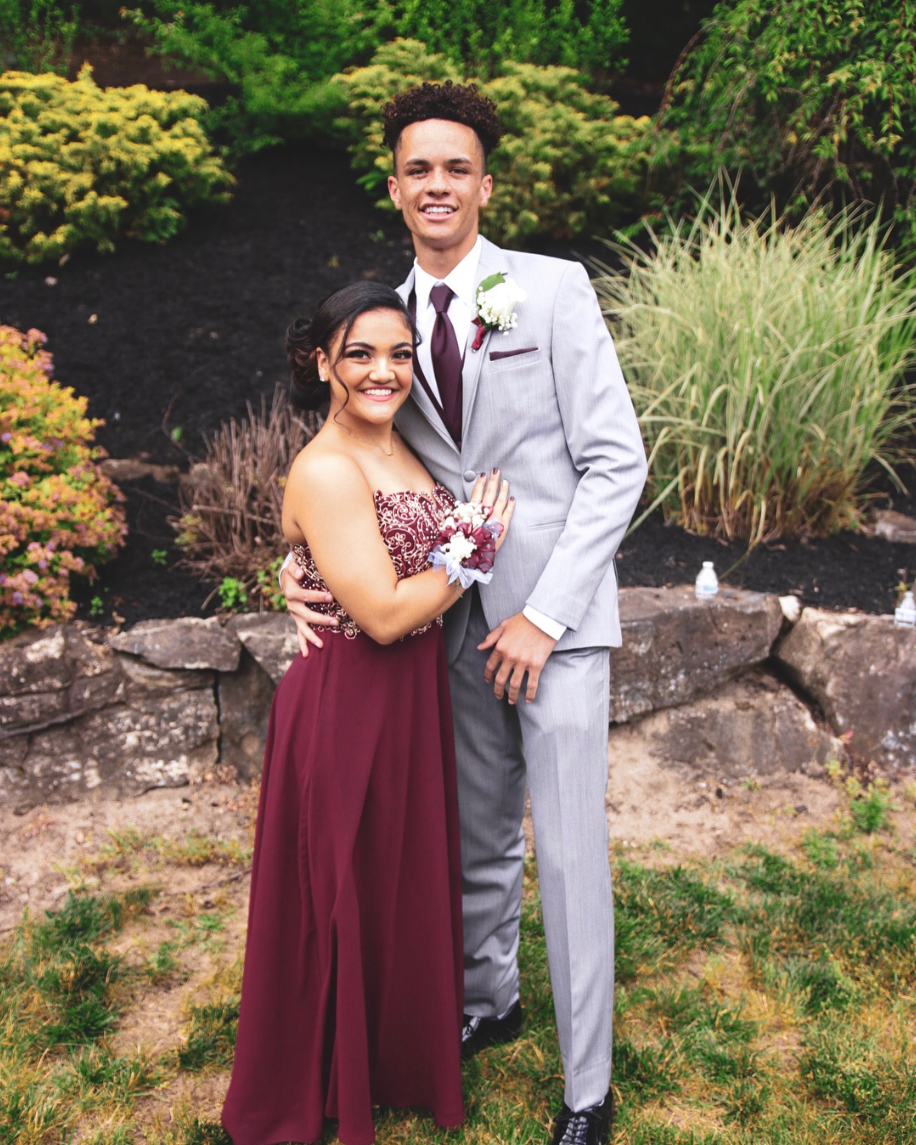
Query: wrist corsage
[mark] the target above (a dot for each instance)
(466, 544)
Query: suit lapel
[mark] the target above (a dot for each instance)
(490, 263)
(418, 394)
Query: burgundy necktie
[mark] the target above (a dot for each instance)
(446, 360)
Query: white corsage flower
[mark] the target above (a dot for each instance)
(497, 297)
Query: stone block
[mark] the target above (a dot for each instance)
(895, 527)
(189, 643)
(751, 725)
(244, 699)
(54, 675)
(141, 678)
(676, 647)
(161, 740)
(861, 670)
(270, 637)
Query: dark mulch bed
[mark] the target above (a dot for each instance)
(180, 337)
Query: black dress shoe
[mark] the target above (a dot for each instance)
(590, 1126)
(478, 1033)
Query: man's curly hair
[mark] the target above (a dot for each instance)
(461, 103)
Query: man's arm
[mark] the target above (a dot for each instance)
(605, 444)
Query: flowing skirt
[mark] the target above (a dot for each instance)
(352, 986)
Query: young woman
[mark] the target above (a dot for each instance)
(352, 987)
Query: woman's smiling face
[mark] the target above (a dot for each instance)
(371, 375)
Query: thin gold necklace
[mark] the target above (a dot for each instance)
(375, 444)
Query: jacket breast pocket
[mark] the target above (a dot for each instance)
(501, 355)
(526, 361)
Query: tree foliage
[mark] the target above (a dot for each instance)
(806, 97)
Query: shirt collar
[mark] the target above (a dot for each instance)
(461, 279)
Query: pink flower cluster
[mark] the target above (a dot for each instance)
(59, 514)
(466, 544)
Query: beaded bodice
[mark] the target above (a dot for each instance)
(409, 523)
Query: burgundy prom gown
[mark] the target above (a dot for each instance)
(352, 987)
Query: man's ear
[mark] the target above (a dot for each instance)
(394, 190)
(486, 189)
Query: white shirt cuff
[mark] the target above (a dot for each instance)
(553, 628)
(286, 561)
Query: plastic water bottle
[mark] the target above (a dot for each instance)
(707, 583)
(905, 612)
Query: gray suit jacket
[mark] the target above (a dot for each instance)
(548, 404)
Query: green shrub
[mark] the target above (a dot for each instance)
(59, 515)
(281, 54)
(80, 166)
(767, 366)
(805, 96)
(275, 52)
(480, 35)
(568, 162)
(38, 35)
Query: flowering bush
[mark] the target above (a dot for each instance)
(80, 166)
(59, 514)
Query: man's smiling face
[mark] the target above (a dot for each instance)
(439, 184)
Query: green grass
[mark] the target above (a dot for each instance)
(192, 849)
(768, 366)
(762, 998)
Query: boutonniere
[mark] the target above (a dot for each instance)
(497, 297)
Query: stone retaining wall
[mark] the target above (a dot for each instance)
(730, 685)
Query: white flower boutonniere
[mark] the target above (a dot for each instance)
(497, 297)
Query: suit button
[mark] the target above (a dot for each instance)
(470, 475)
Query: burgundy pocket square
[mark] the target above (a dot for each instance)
(495, 355)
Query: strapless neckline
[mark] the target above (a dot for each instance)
(428, 495)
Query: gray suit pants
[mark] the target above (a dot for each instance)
(559, 743)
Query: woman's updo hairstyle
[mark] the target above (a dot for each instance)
(338, 312)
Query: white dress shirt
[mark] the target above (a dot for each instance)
(461, 311)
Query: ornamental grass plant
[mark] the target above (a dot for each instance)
(767, 364)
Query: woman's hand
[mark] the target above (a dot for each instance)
(494, 493)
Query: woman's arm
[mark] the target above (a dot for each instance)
(328, 500)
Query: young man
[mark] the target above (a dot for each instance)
(548, 400)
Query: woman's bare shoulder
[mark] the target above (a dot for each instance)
(321, 468)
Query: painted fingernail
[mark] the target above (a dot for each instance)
(482, 476)
(495, 469)
(511, 498)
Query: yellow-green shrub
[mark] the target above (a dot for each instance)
(568, 162)
(59, 514)
(80, 165)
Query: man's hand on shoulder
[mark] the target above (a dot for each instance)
(298, 600)
(518, 647)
